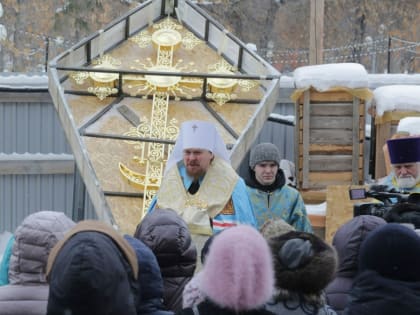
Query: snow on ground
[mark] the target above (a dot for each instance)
(326, 76)
(397, 97)
(319, 209)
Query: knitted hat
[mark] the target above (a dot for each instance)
(264, 152)
(303, 262)
(393, 251)
(404, 150)
(238, 272)
(275, 227)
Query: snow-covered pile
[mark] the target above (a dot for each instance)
(326, 76)
(411, 125)
(317, 209)
(397, 97)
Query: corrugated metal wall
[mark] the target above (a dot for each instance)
(29, 125)
(25, 194)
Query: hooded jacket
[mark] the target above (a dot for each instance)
(27, 291)
(388, 282)
(277, 200)
(93, 271)
(150, 301)
(167, 235)
(347, 241)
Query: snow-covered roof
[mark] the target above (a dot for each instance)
(397, 97)
(11, 80)
(23, 81)
(326, 76)
(377, 80)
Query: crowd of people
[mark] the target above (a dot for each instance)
(214, 243)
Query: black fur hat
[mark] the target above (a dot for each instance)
(303, 262)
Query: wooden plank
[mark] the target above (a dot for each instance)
(305, 140)
(319, 180)
(331, 136)
(297, 147)
(328, 122)
(333, 109)
(334, 122)
(332, 148)
(339, 208)
(331, 96)
(319, 163)
(323, 136)
(331, 176)
(356, 140)
(317, 220)
(316, 32)
(383, 133)
(311, 196)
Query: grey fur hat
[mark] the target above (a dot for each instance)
(264, 152)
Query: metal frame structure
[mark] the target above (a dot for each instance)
(80, 57)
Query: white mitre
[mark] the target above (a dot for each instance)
(197, 134)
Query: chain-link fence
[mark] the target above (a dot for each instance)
(381, 55)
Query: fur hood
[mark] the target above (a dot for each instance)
(238, 272)
(309, 275)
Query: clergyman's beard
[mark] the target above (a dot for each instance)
(406, 182)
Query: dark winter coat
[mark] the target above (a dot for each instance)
(298, 307)
(149, 279)
(388, 282)
(208, 308)
(93, 272)
(27, 291)
(373, 294)
(169, 238)
(347, 242)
